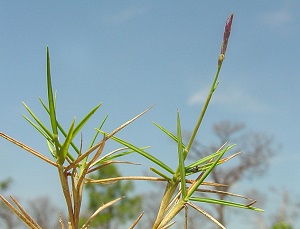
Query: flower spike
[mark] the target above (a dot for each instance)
(225, 39)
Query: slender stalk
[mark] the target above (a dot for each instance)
(171, 187)
(199, 121)
(66, 191)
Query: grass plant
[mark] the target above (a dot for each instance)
(73, 165)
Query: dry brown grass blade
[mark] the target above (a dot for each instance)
(136, 221)
(173, 201)
(222, 192)
(186, 210)
(61, 221)
(85, 155)
(251, 203)
(88, 222)
(229, 158)
(114, 179)
(28, 149)
(128, 122)
(169, 225)
(78, 188)
(109, 154)
(207, 183)
(25, 213)
(206, 214)
(111, 162)
(21, 214)
(92, 149)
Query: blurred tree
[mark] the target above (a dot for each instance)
(4, 184)
(257, 149)
(288, 212)
(40, 209)
(120, 212)
(45, 214)
(8, 219)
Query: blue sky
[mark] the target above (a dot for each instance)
(133, 54)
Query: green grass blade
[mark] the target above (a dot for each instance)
(40, 130)
(92, 143)
(44, 105)
(45, 129)
(141, 152)
(197, 169)
(78, 127)
(62, 154)
(84, 120)
(181, 158)
(97, 132)
(61, 129)
(160, 174)
(51, 104)
(117, 155)
(51, 149)
(206, 173)
(207, 158)
(225, 203)
(172, 136)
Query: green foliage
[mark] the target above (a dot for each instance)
(282, 225)
(100, 194)
(4, 184)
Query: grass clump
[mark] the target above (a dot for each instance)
(75, 165)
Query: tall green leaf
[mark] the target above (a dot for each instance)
(181, 158)
(51, 104)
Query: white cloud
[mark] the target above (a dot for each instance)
(276, 19)
(234, 98)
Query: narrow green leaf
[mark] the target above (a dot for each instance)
(40, 130)
(79, 126)
(205, 159)
(61, 129)
(114, 156)
(82, 167)
(181, 158)
(142, 152)
(51, 104)
(206, 173)
(160, 174)
(51, 149)
(224, 202)
(84, 120)
(172, 136)
(45, 129)
(61, 156)
(197, 168)
(97, 132)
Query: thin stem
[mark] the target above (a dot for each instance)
(212, 89)
(66, 192)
